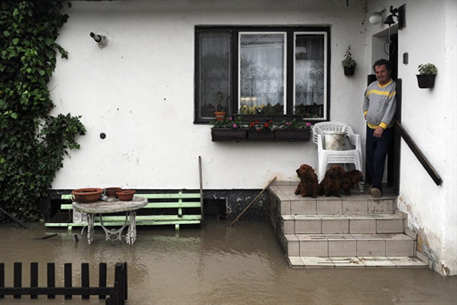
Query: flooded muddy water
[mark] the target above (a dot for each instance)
(216, 264)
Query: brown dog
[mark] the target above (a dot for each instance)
(308, 181)
(350, 180)
(332, 182)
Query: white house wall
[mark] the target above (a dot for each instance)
(429, 116)
(139, 91)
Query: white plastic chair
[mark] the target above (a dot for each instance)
(349, 155)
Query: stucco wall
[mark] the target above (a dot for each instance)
(139, 91)
(429, 116)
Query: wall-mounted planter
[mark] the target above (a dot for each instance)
(426, 80)
(261, 135)
(228, 134)
(243, 135)
(293, 134)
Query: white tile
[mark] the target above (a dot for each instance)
(310, 224)
(407, 262)
(349, 262)
(318, 262)
(379, 261)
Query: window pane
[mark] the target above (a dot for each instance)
(262, 72)
(310, 78)
(214, 76)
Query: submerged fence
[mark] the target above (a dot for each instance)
(117, 294)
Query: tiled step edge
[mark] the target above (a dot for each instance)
(344, 224)
(351, 245)
(357, 262)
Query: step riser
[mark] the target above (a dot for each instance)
(343, 226)
(337, 207)
(351, 248)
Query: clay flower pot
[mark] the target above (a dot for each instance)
(111, 191)
(125, 195)
(87, 195)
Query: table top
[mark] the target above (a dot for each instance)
(104, 207)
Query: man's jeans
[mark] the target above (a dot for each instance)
(376, 153)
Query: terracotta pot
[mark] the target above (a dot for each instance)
(125, 195)
(220, 115)
(87, 195)
(111, 191)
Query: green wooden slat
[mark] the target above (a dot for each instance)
(143, 220)
(121, 223)
(150, 217)
(166, 205)
(153, 205)
(169, 196)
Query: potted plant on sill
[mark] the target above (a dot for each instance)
(228, 129)
(261, 130)
(348, 62)
(426, 76)
(293, 130)
(219, 110)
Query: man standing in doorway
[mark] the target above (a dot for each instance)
(379, 110)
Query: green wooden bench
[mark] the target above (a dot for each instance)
(163, 209)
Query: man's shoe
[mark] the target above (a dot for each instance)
(375, 192)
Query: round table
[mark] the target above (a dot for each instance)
(112, 206)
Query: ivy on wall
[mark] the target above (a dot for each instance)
(32, 142)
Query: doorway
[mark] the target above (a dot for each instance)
(382, 47)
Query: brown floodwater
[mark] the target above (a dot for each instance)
(216, 264)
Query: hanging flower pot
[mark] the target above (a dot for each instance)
(426, 76)
(349, 70)
(426, 81)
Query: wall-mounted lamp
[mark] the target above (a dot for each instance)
(398, 13)
(100, 39)
(377, 17)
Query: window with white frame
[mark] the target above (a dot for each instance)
(262, 72)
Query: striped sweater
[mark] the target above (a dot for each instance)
(379, 104)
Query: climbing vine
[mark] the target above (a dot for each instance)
(32, 142)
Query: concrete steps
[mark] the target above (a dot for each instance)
(346, 231)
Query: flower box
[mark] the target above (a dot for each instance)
(293, 134)
(228, 134)
(260, 135)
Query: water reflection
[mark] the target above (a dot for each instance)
(216, 264)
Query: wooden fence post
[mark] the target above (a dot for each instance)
(34, 278)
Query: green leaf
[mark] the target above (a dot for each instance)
(16, 12)
(48, 41)
(6, 33)
(15, 41)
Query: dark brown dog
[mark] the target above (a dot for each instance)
(350, 180)
(308, 181)
(332, 182)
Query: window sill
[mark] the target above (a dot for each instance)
(244, 135)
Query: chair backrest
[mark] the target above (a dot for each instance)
(320, 128)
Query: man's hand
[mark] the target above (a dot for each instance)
(378, 132)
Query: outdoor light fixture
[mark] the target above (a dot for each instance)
(376, 17)
(100, 39)
(398, 13)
